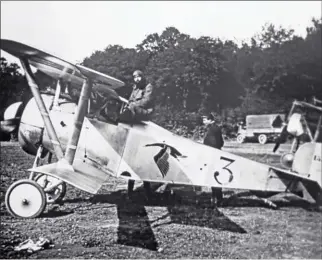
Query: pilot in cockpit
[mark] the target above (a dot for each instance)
(140, 105)
(139, 108)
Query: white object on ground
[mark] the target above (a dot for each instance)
(32, 247)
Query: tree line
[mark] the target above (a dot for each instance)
(195, 76)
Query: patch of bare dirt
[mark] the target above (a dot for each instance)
(108, 225)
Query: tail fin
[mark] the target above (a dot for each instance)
(307, 161)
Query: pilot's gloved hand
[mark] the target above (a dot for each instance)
(126, 107)
(131, 107)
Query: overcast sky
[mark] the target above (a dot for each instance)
(73, 30)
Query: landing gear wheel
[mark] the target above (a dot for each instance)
(262, 139)
(240, 139)
(25, 199)
(55, 195)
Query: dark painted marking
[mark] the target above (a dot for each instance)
(127, 174)
(231, 177)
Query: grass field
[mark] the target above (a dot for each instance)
(109, 226)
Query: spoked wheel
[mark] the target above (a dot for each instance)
(262, 139)
(25, 199)
(55, 195)
(240, 139)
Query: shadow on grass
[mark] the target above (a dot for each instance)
(207, 217)
(134, 226)
(56, 213)
(132, 213)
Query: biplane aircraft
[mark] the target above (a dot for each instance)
(89, 150)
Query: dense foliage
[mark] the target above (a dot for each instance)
(194, 76)
(11, 84)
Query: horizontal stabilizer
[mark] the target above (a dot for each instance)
(292, 174)
(310, 186)
(81, 175)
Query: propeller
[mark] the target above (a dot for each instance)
(10, 125)
(11, 118)
(281, 138)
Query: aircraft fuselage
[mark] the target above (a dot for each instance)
(144, 151)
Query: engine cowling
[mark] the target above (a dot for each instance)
(32, 131)
(31, 128)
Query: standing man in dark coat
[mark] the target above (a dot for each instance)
(213, 136)
(214, 139)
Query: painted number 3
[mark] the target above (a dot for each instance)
(224, 175)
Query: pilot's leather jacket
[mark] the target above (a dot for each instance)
(141, 99)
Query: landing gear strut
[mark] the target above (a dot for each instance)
(146, 186)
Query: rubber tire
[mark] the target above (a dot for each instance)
(62, 194)
(240, 139)
(262, 139)
(33, 183)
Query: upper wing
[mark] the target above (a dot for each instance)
(60, 69)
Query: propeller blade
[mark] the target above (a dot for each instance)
(11, 118)
(10, 125)
(280, 139)
(277, 145)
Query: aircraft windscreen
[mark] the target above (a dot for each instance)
(103, 108)
(101, 105)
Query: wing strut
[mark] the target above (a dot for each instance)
(65, 164)
(42, 108)
(79, 119)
